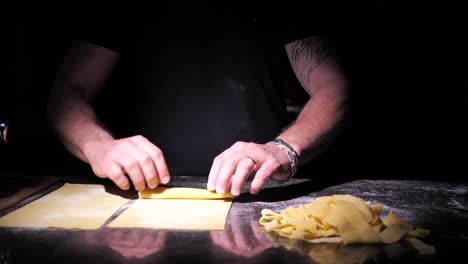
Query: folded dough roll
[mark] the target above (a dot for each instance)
(182, 193)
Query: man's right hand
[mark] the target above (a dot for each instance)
(135, 157)
(85, 70)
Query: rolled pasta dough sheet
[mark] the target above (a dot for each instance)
(175, 214)
(181, 193)
(72, 206)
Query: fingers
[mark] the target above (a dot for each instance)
(223, 181)
(232, 168)
(136, 157)
(213, 175)
(244, 169)
(263, 175)
(157, 157)
(229, 166)
(224, 166)
(117, 175)
(138, 165)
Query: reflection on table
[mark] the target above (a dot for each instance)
(130, 243)
(349, 254)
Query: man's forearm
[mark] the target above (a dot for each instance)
(318, 121)
(75, 122)
(85, 70)
(319, 73)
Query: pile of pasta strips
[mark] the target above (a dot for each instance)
(339, 218)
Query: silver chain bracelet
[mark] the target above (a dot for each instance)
(292, 154)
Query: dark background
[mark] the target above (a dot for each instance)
(406, 64)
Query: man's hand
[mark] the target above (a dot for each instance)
(232, 168)
(135, 157)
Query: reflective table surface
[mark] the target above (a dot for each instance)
(438, 206)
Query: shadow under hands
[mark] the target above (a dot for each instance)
(287, 192)
(131, 194)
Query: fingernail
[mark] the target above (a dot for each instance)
(165, 179)
(220, 191)
(210, 186)
(253, 191)
(235, 193)
(153, 186)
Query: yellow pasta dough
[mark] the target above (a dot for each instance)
(76, 206)
(175, 214)
(182, 193)
(338, 218)
(176, 208)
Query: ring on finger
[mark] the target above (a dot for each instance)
(253, 161)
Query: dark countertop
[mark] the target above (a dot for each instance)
(438, 206)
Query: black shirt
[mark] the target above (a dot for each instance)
(195, 80)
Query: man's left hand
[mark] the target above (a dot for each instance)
(244, 161)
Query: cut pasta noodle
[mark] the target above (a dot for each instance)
(339, 218)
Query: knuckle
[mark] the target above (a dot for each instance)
(228, 163)
(273, 163)
(121, 181)
(263, 176)
(223, 178)
(124, 144)
(269, 171)
(111, 155)
(239, 144)
(99, 173)
(139, 137)
(97, 168)
(245, 164)
(251, 145)
(129, 164)
(158, 154)
(114, 172)
(157, 149)
(145, 159)
(218, 160)
(237, 184)
(269, 156)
